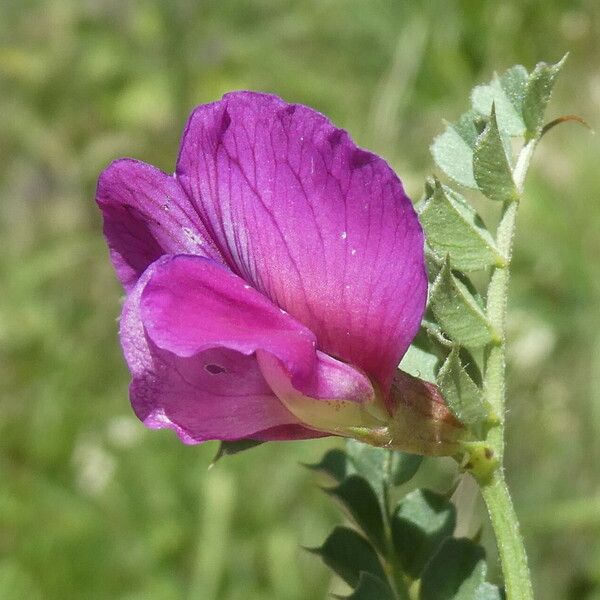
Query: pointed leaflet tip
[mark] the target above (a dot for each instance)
(230, 448)
(537, 95)
(334, 464)
(491, 166)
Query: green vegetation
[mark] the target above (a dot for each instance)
(94, 506)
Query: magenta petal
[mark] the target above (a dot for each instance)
(218, 393)
(192, 304)
(147, 214)
(320, 226)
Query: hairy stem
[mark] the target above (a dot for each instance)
(508, 538)
(494, 490)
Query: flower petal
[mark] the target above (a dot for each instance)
(320, 226)
(218, 393)
(191, 330)
(147, 214)
(192, 304)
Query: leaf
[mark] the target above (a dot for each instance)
(334, 464)
(370, 462)
(453, 150)
(462, 396)
(361, 503)
(370, 588)
(487, 591)
(404, 466)
(422, 521)
(506, 93)
(456, 572)
(349, 554)
(230, 448)
(537, 95)
(458, 313)
(454, 228)
(491, 167)
(419, 363)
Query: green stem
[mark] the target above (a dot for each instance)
(496, 313)
(508, 538)
(494, 490)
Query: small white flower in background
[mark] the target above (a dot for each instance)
(533, 341)
(94, 466)
(124, 432)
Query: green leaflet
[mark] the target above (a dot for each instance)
(458, 312)
(456, 572)
(362, 505)
(421, 522)
(506, 93)
(349, 554)
(334, 464)
(371, 463)
(491, 167)
(368, 462)
(419, 363)
(537, 95)
(462, 396)
(404, 466)
(453, 150)
(454, 228)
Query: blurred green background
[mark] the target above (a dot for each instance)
(94, 506)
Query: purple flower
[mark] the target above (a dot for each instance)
(273, 283)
